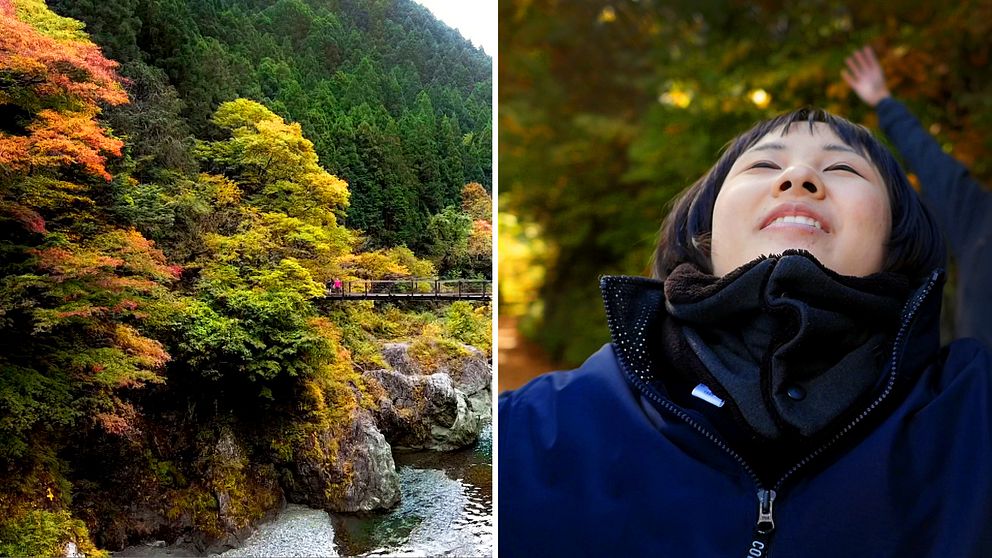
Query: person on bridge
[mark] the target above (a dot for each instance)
(778, 387)
(962, 207)
(337, 286)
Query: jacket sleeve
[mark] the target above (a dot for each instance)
(960, 205)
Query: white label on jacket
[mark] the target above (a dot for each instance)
(704, 393)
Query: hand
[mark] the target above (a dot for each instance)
(865, 76)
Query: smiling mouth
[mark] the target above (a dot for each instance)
(797, 220)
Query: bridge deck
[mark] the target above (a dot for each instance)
(415, 289)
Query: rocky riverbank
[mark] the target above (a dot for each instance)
(336, 457)
(445, 510)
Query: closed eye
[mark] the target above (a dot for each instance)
(843, 167)
(764, 165)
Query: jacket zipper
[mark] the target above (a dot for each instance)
(765, 524)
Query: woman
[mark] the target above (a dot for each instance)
(779, 389)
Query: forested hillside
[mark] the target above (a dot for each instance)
(170, 364)
(396, 104)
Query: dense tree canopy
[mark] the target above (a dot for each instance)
(75, 288)
(396, 104)
(168, 227)
(609, 109)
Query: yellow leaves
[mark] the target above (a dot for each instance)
(607, 15)
(50, 496)
(290, 275)
(241, 113)
(373, 265)
(267, 154)
(328, 189)
(476, 202)
(522, 256)
(677, 95)
(49, 24)
(144, 351)
(760, 98)
(219, 189)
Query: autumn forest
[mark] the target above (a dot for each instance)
(180, 182)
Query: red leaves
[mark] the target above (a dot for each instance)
(26, 216)
(122, 422)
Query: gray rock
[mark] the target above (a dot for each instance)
(397, 355)
(442, 411)
(72, 551)
(348, 473)
(233, 481)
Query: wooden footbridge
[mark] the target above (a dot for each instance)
(412, 289)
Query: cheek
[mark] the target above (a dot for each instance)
(727, 213)
(875, 217)
(729, 235)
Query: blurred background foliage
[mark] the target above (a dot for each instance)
(609, 109)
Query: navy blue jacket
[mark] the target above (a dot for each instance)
(961, 206)
(599, 462)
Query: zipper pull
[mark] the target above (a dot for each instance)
(766, 523)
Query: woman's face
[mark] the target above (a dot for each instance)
(806, 189)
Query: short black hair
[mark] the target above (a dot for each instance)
(915, 247)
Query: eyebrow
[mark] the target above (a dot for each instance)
(827, 147)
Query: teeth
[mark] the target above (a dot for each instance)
(809, 221)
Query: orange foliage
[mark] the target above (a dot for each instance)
(60, 139)
(50, 67)
(476, 202)
(480, 241)
(120, 423)
(146, 352)
(60, 82)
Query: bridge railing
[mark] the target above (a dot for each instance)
(412, 288)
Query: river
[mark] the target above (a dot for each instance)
(446, 510)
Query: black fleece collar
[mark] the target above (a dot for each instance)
(636, 315)
(792, 345)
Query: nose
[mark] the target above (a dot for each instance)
(799, 180)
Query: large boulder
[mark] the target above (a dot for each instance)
(344, 469)
(440, 409)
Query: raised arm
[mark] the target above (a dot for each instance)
(962, 207)
(864, 75)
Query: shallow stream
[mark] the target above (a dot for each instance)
(446, 510)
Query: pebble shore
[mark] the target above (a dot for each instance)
(298, 531)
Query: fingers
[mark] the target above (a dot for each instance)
(848, 78)
(867, 58)
(862, 62)
(852, 64)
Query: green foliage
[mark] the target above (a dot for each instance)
(396, 104)
(470, 325)
(44, 533)
(254, 321)
(431, 349)
(449, 232)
